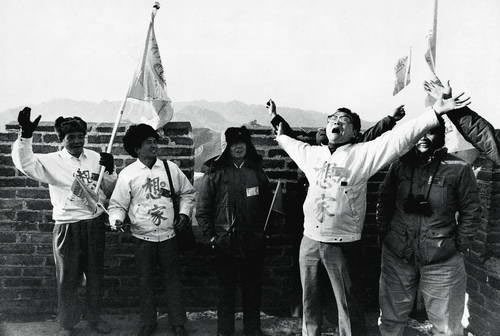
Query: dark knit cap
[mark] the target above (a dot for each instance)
(135, 135)
(64, 126)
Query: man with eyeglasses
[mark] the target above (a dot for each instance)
(335, 205)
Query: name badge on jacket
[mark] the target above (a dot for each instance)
(253, 191)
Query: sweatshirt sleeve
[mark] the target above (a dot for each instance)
(120, 199)
(300, 152)
(371, 156)
(36, 166)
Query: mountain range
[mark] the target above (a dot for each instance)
(208, 119)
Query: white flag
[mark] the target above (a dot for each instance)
(402, 74)
(149, 83)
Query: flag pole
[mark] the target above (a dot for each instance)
(407, 72)
(119, 116)
(272, 204)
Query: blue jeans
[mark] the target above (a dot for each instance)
(331, 256)
(443, 289)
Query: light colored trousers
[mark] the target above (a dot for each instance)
(442, 286)
(331, 256)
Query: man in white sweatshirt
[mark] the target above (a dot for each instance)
(78, 235)
(335, 205)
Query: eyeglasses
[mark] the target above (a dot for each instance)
(342, 118)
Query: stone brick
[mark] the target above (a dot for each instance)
(8, 171)
(29, 216)
(277, 152)
(22, 282)
(33, 193)
(175, 151)
(8, 137)
(23, 260)
(7, 237)
(182, 141)
(45, 148)
(5, 160)
(10, 271)
(7, 215)
(50, 138)
(266, 164)
(16, 249)
(39, 205)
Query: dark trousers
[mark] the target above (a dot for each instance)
(247, 271)
(78, 250)
(164, 256)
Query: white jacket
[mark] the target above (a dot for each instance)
(335, 205)
(144, 194)
(58, 170)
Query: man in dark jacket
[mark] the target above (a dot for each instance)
(424, 242)
(233, 201)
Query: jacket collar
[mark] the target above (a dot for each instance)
(411, 157)
(67, 155)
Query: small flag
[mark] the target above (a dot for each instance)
(276, 204)
(89, 197)
(402, 72)
(430, 54)
(149, 83)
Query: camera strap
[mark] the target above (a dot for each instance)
(431, 180)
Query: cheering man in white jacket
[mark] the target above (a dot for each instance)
(78, 236)
(335, 205)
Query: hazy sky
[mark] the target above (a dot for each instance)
(310, 54)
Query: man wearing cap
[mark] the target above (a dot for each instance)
(78, 235)
(335, 205)
(143, 192)
(233, 202)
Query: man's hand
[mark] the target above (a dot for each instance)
(27, 126)
(442, 106)
(108, 162)
(399, 113)
(271, 107)
(117, 226)
(437, 90)
(181, 223)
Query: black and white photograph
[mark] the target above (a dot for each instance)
(250, 168)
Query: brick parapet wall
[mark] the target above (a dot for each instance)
(27, 281)
(27, 275)
(483, 262)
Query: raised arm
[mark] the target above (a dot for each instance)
(375, 154)
(383, 125)
(22, 151)
(277, 119)
(474, 128)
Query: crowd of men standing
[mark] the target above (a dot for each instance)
(428, 212)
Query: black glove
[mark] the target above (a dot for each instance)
(27, 127)
(108, 162)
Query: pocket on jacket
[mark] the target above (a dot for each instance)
(396, 240)
(439, 245)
